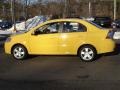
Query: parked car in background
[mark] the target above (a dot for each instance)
(104, 22)
(62, 37)
(116, 23)
(1, 20)
(5, 25)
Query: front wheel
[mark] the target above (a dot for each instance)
(87, 53)
(19, 52)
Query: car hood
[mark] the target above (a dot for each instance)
(17, 33)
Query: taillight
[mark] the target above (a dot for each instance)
(110, 34)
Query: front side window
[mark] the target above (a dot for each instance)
(48, 29)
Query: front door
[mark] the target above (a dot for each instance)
(45, 39)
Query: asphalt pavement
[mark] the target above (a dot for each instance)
(60, 72)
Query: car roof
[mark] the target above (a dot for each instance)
(67, 19)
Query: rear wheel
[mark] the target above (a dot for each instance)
(87, 53)
(19, 52)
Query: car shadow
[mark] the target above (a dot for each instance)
(32, 56)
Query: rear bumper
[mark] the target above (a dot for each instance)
(108, 46)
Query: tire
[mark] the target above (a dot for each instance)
(19, 52)
(87, 53)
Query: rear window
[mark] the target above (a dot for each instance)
(95, 24)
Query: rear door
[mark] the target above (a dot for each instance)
(73, 35)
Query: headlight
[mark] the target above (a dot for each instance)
(8, 39)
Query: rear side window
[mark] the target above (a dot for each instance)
(73, 27)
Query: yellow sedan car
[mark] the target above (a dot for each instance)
(61, 37)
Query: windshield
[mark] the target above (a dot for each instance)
(95, 24)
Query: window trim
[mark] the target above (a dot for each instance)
(59, 31)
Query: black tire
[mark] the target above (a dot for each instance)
(87, 53)
(19, 52)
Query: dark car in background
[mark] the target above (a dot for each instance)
(103, 21)
(5, 25)
(116, 23)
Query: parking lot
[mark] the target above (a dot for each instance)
(85, 27)
(59, 73)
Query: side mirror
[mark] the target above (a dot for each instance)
(34, 33)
